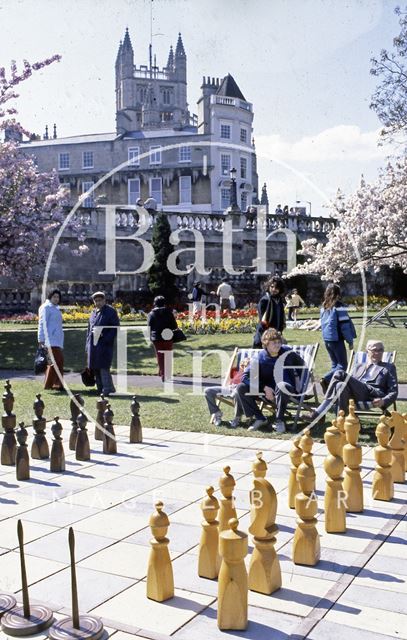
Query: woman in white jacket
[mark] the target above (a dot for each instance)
(51, 336)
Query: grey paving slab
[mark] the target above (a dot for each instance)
(332, 565)
(55, 546)
(144, 504)
(325, 629)
(60, 514)
(385, 565)
(380, 598)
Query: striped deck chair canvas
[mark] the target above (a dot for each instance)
(355, 360)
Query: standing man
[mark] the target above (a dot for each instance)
(197, 296)
(100, 342)
(224, 292)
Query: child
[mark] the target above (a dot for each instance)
(227, 391)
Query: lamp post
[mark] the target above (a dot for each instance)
(308, 202)
(233, 191)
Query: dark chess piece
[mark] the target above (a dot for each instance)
(39, 447)
(22, 458)
(136, 434)
(82, 451)
(101, 405)
(8, 421)
(109, 436)
(75, 406)
(57, 449)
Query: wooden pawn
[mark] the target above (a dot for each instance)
(160, 579)
(383, 484)
(398, 444)
(82, 449)
(295, 457)
(136, 434)
(340, 423)
(101, 405)
(227, 503)
(39, 447)
(75, 406)
(352, 457)
(8, 422)
(335, 511)
(22, 458)
(57, 463)
(109, 436)
(233, 581)
(208, 555)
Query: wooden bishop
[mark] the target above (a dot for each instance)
(136, 434)
(57, 463)
(398, 444)
(160, 580)
(335, 511)
(22, 458)
(109, 436)
(382, 486)
(227, 509)
(352, 457)
(208, 556)
(82, 449)
(76, 404)
(8, 422)
(101, 405)
(340, 423)
(39, 447)
(233, 583)
(295, 457)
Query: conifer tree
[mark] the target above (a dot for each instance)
(160, 280)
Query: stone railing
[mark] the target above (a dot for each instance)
(12, 301)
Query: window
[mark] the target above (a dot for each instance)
(133, 155)
(224, 198)
(87, 160)
(166, 96)
(88, 202)
(64, 160)
(155, 154)
(225, 164)
(185, 190)
(133, 190)
(225, 131)
(243, 201)
(243, 135)
(243, 168)
(156, 190)
(185, 154)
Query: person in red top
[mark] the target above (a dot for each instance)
(228, 391)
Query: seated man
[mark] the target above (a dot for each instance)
(211, 394)
(260, 378)
(373, 382)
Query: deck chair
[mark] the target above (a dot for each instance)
(357, 358)
(382, 316)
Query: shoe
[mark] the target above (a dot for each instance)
(234, 423)
(217, 419)
(324, 385)
(311, 416)
(279, 426)
(258, 424)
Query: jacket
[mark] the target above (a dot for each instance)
(158, 319)
(276, 315)
(293, 369)
(336, 324)
(382, 378)
(50, 329)
(100, 351)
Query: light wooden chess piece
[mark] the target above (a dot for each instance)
(76, 404)
(352, 457)
(340, 423)
(8, 422)
(295, 457)
(233, 582)
(160, 579)
(264, 571)
(28, 619)
(39, 447)
(82, 450)
(101, 405)
(109, 436)
(382, 486)
(405, 441)
(78, 627)
(208, 556)
(57, 449)
(136, 434)
(22, 458)
(335, 511)
(306, 543)
(398, 444)
(227, 503)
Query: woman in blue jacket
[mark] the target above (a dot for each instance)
(337, 328)
(51, 336)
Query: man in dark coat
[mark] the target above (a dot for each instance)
(100, 342)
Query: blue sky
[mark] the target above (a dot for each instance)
(304, 64)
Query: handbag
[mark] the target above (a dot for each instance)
(40, 361)
(88, 377)
(178, 336)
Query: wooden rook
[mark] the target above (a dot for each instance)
(28, 619)
(398, 444)
(335, 511)
(39, 447)
(383, 483)
(22, 458)
(208, 556)
(57, 449)
(136, 434)
(306, 544)
(227, 503)
(101, 405)
(295, 457)
(109, 436)
(264, 571)
(82, 450)
(8, 422)
(76, 404)
(352, 457)
(233, 581)
(78, 627)
(160, 579)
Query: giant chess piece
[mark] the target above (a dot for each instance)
(208, 556)
(82, 450)
(160, 579)
(28, 619)
(39, 447)
(352, 457)
(306, 444)
(233, 582)
(8, 422)
(295, 457)
(306, 544)
(340, 423)
(101, 405)
(405, 441)
(109, 436)
(227, 503)
(76, 404)
(136, 434)
(335, 511)
(382, 486)
(398, 444)
(22, 458)
(57, 463)
(264, 571)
